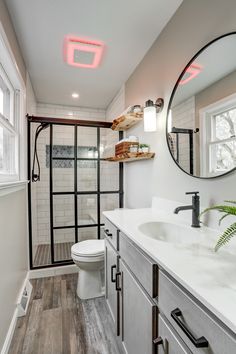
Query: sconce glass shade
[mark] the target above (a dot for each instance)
(150, 118)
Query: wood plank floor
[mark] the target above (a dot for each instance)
(57, 322)
(62, 251)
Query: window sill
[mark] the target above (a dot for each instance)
(11, 187)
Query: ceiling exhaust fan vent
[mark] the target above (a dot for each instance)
(83, 53)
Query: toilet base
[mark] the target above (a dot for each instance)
(89, 285)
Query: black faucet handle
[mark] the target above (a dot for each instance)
(195, 193)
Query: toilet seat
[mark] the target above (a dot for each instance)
(88, 249)
(87, 259)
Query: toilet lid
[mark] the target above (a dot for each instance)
(89, 248)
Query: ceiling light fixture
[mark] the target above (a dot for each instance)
(82, 52)
(150, 114)
(75, 95)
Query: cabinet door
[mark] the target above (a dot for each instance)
(171, 343)
(139, 315)
(112, 296)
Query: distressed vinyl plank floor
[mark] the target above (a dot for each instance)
(58, 322)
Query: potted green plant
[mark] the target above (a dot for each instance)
(144, 148)
(230, 231)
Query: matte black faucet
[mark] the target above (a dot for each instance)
(195, 207)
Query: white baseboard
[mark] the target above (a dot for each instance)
(52, 272)
(16, 314)
(10, 333)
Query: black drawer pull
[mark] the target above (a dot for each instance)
(198, 342)
(112, 275)
(118, 288)
(107, 233)
(158, 341)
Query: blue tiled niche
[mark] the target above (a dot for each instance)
(65, 151)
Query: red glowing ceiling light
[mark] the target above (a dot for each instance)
(191, 72)
(83, 53)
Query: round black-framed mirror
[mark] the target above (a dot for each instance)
(201, 114)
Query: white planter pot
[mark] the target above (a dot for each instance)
(145, 149)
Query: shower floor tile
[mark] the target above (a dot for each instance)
(62, 251)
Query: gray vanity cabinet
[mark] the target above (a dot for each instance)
(135, 285)
(139, 315)
(112, 295)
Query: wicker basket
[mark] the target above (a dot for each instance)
(123, 147)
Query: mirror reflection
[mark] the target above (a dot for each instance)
(201, 124)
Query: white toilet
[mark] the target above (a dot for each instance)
(89, 257)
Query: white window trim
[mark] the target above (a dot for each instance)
(205, 115)
(10, 65)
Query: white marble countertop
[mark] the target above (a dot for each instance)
(209, 276)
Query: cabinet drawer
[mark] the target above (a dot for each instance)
(172, 344)
(145, 270)
(112, 234)
(191, 321)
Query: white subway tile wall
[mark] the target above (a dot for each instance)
(183, 116)
(63, 176)
(117, 105)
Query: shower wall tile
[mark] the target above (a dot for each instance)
(59, 111)
(64, 175)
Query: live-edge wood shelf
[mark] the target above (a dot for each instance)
(131, 156)
(126, 121)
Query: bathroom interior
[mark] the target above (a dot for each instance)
(117, 177)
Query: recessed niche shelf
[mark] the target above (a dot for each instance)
(131, 156)
(126, 121)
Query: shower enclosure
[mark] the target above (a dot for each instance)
(76, 184)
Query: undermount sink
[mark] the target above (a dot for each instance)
(168, 232)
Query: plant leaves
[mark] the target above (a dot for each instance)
(226, 236)
(230, 201)
(228, 209)
(222, 217)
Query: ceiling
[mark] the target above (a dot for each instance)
(128, 29)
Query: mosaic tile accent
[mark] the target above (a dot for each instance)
(68, 151)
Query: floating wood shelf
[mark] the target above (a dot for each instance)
(126, 121)
(131, 156)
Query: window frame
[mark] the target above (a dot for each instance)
(207, 115)
(15, 123)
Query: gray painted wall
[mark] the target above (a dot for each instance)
(194, 24)
(13, 255)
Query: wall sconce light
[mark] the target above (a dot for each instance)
(150, 114)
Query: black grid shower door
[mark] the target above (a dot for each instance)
(85, 206)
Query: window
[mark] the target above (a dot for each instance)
(8, 130)
(218, 143)
(12, 111)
